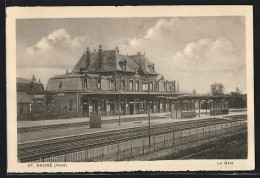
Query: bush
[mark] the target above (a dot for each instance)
(52, 112)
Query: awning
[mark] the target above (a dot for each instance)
(93, 75)
(106, 77)
(171, 98)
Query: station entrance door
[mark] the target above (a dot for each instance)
(86, 109)
(95, 107)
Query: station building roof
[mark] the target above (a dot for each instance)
(111, 59)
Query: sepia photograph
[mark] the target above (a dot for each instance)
(159, 88)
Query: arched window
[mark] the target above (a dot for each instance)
(60, 85)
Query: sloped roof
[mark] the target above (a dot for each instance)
(23, 98)
(111, 62)
(69, 75)
(142, 61)
(81, 63)
(23, 80)
(28, 86)
(130, 64)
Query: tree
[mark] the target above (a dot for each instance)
(217, 89)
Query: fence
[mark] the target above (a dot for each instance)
(134, 148)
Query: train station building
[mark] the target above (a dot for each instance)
(104, 82)
(107, 83)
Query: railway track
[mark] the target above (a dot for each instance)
(45, 148)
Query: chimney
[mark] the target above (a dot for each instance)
(116, 49)
(87, 50)
(100, 57)
(94, 50)
(87, 57)
(67, 71)
(100, 48)
(178, 88)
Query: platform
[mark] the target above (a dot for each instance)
(22, 124)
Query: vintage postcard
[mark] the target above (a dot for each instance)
(147, 88)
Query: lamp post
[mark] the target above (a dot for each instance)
(119, 104)
(148, 112)
(119, 113)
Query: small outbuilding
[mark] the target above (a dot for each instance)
(24, 104)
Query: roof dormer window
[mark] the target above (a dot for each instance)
(151, 67)
(123, 64)
(60, 85)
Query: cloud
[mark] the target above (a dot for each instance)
(191, 54)
(208, 54)
(58, 37)
(55, 50)
(195, 51)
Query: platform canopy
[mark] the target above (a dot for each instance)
(203, 97)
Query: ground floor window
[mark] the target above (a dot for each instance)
(151, 106)
(112, 104)
(103, 105)
(141, 105)
(122, 105)
(137, 104)
(70, 105)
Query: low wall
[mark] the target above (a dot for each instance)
(188, 114)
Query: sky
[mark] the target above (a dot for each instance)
(196, 51)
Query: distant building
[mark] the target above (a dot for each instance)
(238, 100)
(30, 97)
(28, 86)
(105, 82)
(24, 105)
